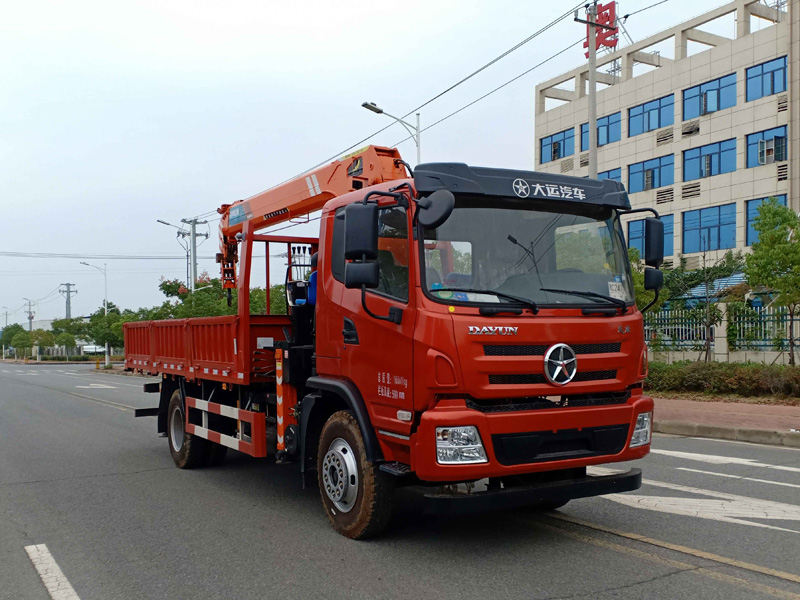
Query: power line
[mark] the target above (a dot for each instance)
(643, 9)
(442, 93)
(90, 256)
(498, 88)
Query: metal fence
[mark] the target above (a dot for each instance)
(676, 329)
(763, 328)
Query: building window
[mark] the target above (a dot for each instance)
(752, 213)
(712, 228)
(651, 174)
(766, 79)
(636, 235)
(709, 160)
(709, 97)
(651, 115)
(766, 147)
(609, 129)
(615, 174)
(557, 146)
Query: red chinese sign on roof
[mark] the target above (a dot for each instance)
(606, 15)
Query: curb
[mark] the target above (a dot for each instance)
(790, 439)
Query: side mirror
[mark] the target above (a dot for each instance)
(653, 279)
(361, 231)
(357, 274)
(653, 242)
(436, 208)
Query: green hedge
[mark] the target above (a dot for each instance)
(741, 379)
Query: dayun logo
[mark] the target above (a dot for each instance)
(521, 188)
(560, 364)
(497, 330)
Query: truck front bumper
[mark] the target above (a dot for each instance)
(515, 497)
(533, 441)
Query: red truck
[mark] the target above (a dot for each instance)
(450, 325)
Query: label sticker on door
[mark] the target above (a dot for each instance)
(616, 290)
(264, 342)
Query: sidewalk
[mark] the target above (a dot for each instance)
(759, 423)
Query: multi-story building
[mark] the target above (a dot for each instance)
(702, 138)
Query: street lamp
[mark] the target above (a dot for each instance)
(104, 271)
(414, 131)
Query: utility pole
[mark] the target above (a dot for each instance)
(592, 25)
(67, 293)
(30, 314)
(193, 235)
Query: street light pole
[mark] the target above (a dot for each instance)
(104, 271)
(413, 130)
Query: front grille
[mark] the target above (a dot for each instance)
(534, 378)
(496, 405)
(540, 349)
(543, 446)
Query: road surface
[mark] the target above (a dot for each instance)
(92, 507)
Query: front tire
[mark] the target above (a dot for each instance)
(188, 451)
(357, 496)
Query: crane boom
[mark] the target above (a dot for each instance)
(303, 195)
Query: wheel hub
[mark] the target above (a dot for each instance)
(176, 429)
(340, 475)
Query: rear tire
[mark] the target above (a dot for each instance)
(357, 496)
(188, 451)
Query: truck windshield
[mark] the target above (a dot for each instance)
(545, 252)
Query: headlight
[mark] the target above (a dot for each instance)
(641, 433)
(459, 445)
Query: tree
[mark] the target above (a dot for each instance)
(775, 260)
(21, 341)
(42, 338)
(76, 327)
(65, 340)
(9, 333)
(101, 328)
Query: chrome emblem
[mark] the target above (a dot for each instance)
(560, 364)
(500, 330)
(521, 188)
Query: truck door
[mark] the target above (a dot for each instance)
(381, 363)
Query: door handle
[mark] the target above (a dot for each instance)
(349, 332)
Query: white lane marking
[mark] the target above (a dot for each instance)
(739, 442)
(794, 485)
(75, 376)
(53, 578)
(728, 508)
(723, 460)
(96, 386)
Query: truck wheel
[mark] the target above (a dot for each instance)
(188, 451)
(357, 496)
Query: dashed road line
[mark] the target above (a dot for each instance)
(794, 485)
(52, 576)
(714, 459)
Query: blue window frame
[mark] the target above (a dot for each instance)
(609, 129)
(752, 213)
(709, 160)
(651, 174)
(651, 115)
(709, 97)
(766, 79)
(615, 174)
(766, 147)
(636, 235)
(557, 146)
(712, 228)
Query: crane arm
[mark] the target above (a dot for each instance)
(303, 195)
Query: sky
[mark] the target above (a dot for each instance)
(116, 114)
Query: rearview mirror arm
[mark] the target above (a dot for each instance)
(652, 302)
(395, 314)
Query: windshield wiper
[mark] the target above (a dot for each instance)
(621, 303)
(526, 301)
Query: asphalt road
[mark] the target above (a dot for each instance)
(81, 476)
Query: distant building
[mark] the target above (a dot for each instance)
(703, 139)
